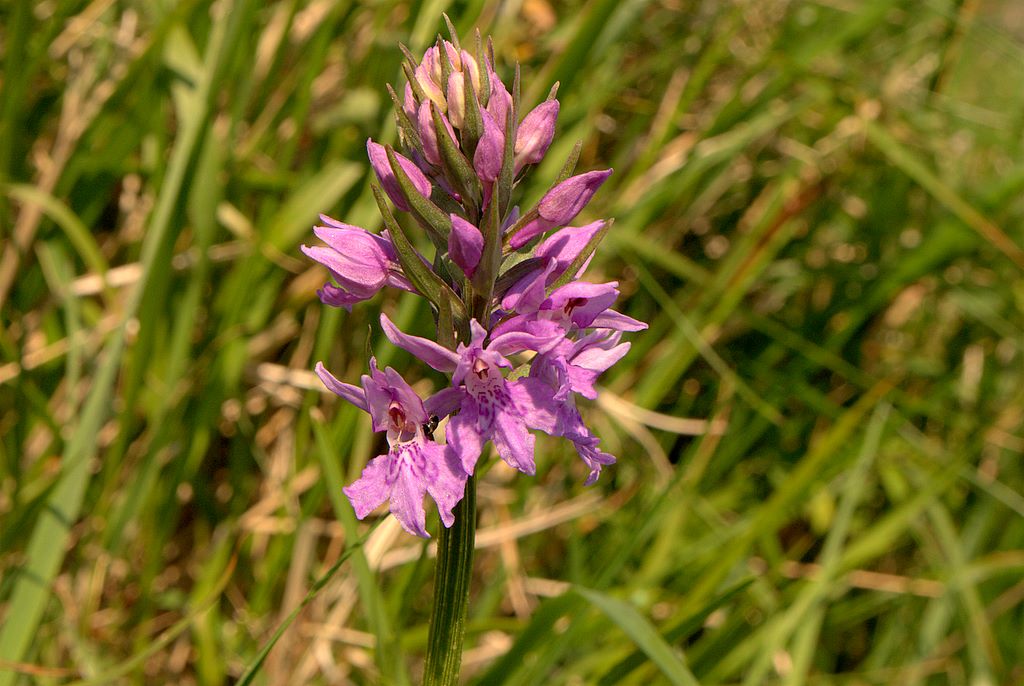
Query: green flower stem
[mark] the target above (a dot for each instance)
(451, 593)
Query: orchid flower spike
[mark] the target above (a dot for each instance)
(520, 335)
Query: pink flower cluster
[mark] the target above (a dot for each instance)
(505, 287)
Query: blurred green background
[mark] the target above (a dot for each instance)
(818, 209)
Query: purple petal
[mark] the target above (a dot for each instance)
(535, 401)
(490, 150)
(428, 134)
(565, 246)
(378, 399)
(500, 102)
(535, 134)
(447, 482)
(444, 402)
(346, 238)
(407, 493)
(425, 76)
(409, 102)
(513, 442)
(512, 218)
(403, 393)
(437, 356)
(529, 231)
(562, 203)
(600, 358)
(594, 458)
(582, 381)
(610, 319)
(464, 440)
(477, 334)
(469, 66)
(583, 370)
(371, 489)
(331, 222)
(337, 297)
(353, 274)
(584, 301)
(346, 391)
(465, 244)
(527, 294)
(518, 334)
(457, 99)
(379, 160)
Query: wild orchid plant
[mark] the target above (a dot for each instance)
(504, 286)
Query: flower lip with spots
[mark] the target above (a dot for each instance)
(491, 408)
(414, 465)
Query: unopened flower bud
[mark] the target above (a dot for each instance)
(430, 87)
(535, 134)
(560, 205)
(457, 99)
(428, 134)
(465, 245)
(490, 149)
(500, 103)
(469, 66)
(379, 159)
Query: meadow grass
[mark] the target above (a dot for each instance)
(818, 209)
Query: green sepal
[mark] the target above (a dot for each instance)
(409, 69)
(490, 257)
(525, 219)
(490, 50)
(436, 223)
(517, 271)
(408, 130)
(517, 94)
(443, 267)
(452, 32)
(445, 325)
(410, 58)
(485, 75)
(570, 272)
(570, 163)
(457, 168)
(446, 66)
(472, 122)
(429, 284)
(503, 185)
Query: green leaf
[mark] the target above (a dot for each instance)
(683, 629)
(510, 276)
(254, 667)
(49, 541)
(77, 232)
(643, 633)
(570, 163)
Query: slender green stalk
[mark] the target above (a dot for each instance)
(451, 593)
